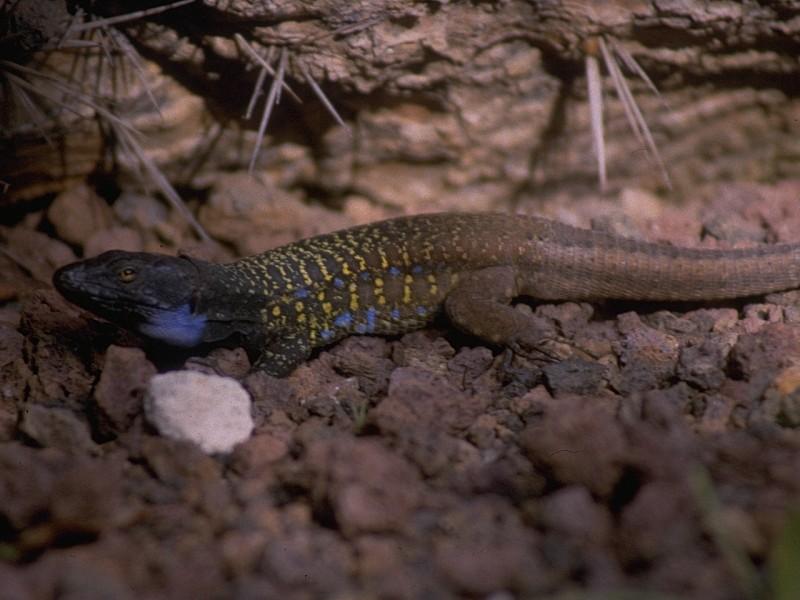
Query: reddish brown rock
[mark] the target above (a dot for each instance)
(418, 398)
(761, 354)
(367, 359)
(226, 362)
(575, 376)
(483, 548)
(115, 238)
(369, 488)
(13, 377)
(572, 511)
(54, 427)
(648, 356)
(311, 557)
(77, 213)
(259, 452)
(119, 392)
(60, 355)
(48, 495)
(579, 442)
(38, 253)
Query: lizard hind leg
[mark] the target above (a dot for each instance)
(480, 304)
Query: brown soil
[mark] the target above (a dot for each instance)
(662, 461)
(420, 467)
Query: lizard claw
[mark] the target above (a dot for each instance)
(544, 349)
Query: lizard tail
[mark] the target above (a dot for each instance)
(589, 264)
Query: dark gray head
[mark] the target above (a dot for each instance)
(152, 294)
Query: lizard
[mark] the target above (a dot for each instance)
(395, 276)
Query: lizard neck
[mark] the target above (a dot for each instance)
(185, 324)
(229, 303)
(178, 326)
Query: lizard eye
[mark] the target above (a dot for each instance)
(126, 275)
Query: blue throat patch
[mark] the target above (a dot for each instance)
(178, 327)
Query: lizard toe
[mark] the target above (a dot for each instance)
(544, 349)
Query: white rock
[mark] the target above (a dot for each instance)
(211, 411)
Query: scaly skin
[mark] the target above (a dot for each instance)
(395, 276)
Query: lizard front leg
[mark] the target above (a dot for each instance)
(280, 355)
(480, 304)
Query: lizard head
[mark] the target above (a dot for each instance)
(152, 294)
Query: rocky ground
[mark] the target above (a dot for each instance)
(661, 461)
(664, 463)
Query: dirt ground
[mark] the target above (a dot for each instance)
(660, 461)
(664, 463)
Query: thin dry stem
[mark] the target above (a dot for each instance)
(622, 89)
(251, 52)
(159, 179)
(595, 93)
(633, 65)
(632, 111)
(277, 82)
(320, 94)
(73, 45)
(130, 53)
(204, 148)
(126, 133)
(262, 76)
(35, 113)
(42, 92)
(80, 59)
(128, 150)
(139, 14)
(70, 29)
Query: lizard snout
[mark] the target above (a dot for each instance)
(68, 278)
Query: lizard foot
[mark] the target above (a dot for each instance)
(545, 349)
